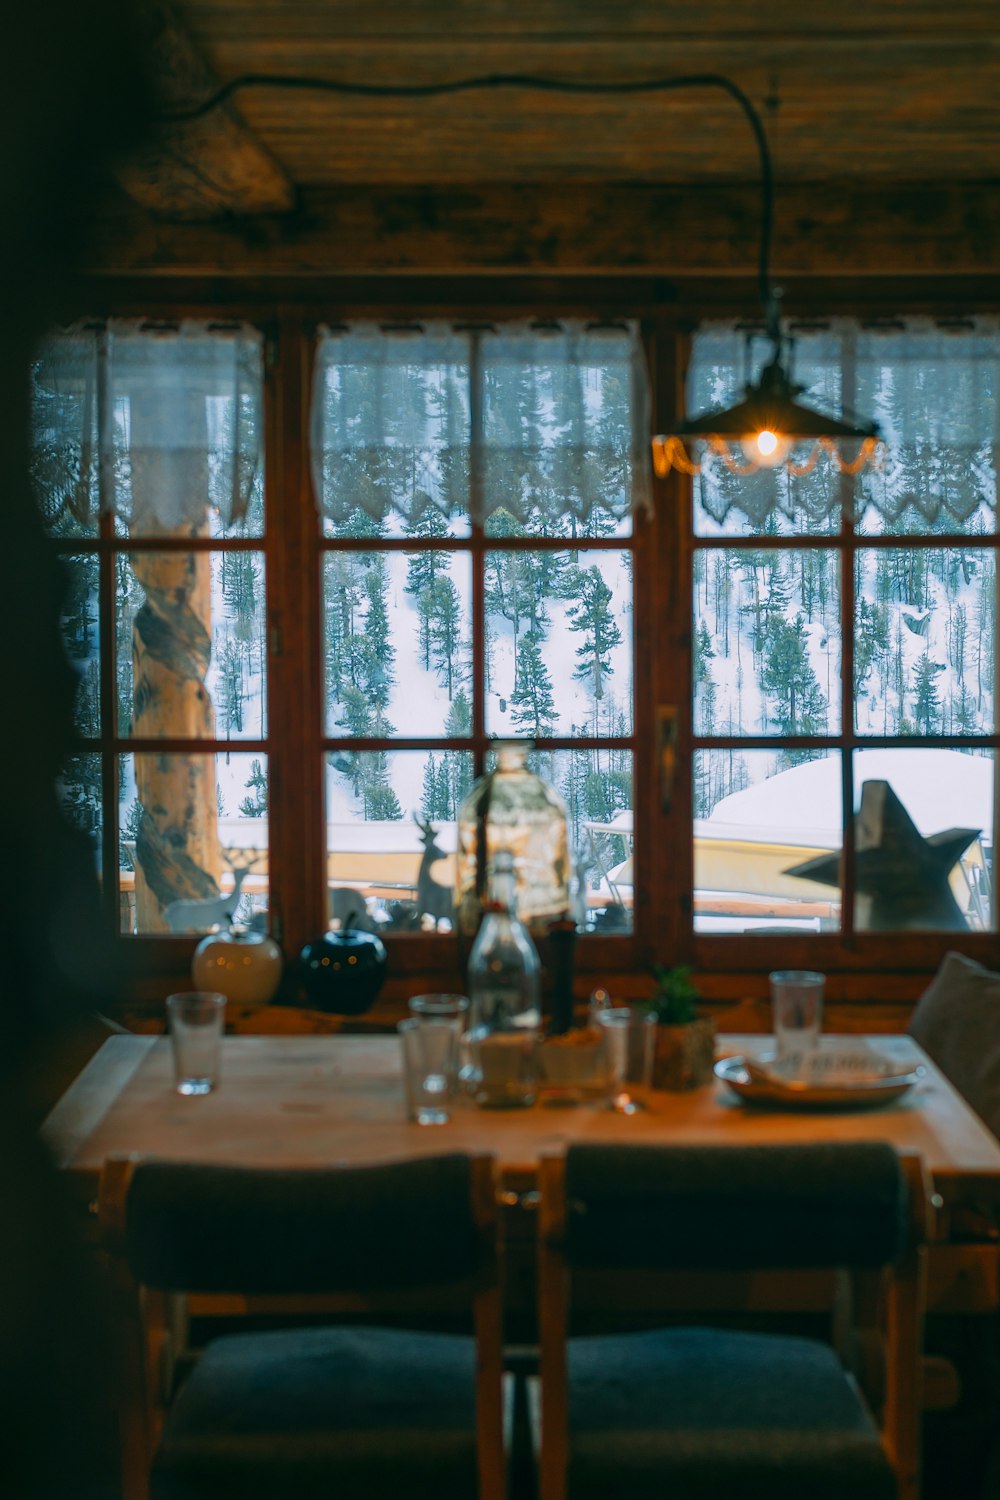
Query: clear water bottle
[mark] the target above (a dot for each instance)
(511, 810)
(505, 1013)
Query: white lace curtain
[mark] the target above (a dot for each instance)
(156, 424)
(541, 422)
(933, 389)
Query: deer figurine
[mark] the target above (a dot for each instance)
(214, 911)
(433, 900)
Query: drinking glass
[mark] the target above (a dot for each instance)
(195, 1021)
(430, 1067)
(440, 1008)
(796, 1010)
(630, 1037)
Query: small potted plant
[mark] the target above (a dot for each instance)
(685, 1041)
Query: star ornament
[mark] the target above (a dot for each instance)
(901, 878)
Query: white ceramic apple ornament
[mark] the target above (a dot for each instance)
(243, 965)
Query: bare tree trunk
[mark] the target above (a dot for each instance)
(177, 846)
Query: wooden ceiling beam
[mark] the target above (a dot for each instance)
(198, 169)
(827, 229)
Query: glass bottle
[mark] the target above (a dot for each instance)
(505, 1011)
(514, 810)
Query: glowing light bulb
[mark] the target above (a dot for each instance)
(765, 449)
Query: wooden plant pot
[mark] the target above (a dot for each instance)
(685, 1055)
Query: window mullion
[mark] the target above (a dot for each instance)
(476, 495)
(848, 584)
(298, 853)
(665, 854)
(107, 637)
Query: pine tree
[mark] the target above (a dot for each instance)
(444, 629)
(789, 680)
(532, 704)
(435, 795)
(573, 788)
(380, 801)
(239, 581)
(458, 763)
(871, 640)
(444, 803)
(965, 713)
(377, 650)
(591, 616)
(233, 693)
(79, 609)
(704, 653)
(423, 568)
(355, 720)
(926, 704)
(959, 641)
(255, 806)
(344, 577)
(430, 807)
(129, 598)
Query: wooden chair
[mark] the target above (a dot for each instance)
(706, 1411)
(308, 1411)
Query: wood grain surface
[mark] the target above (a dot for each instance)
(301, 1101)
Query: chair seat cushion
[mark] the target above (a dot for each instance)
(326, 1412)
(693, 1413)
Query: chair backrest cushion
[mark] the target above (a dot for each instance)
(957, 1022)
(692, 1207)
(244, 1230)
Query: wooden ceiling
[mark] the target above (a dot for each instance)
(862, 90)
(883, 118)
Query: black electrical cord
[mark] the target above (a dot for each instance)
(304, 83)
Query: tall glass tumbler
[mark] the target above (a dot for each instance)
(195, 1022)
(430, 1068)
(630, 1038)
(796, 1010)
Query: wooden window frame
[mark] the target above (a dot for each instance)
(861, 967)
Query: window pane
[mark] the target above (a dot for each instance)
(766, 641)
(390, 433)
(558, 643)
(759, 815)
(397, 635)
(596, 786)
(391, 835)
(82, 637)
(906, 797)
(64, 435)
(934, 393)
(81, 798)
(211, 522)
(925, 634)
(193, 829)
(764, 502)
(872, 520)
(558, 431)
(190, 631)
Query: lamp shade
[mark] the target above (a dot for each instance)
(769, 424)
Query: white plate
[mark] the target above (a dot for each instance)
(793, 1093)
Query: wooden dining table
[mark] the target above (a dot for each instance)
(309, 1101)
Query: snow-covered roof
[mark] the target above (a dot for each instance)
(940, 789)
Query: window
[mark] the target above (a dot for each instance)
(147, 459)
(476, 486)
(316, 568)
(844, 632)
